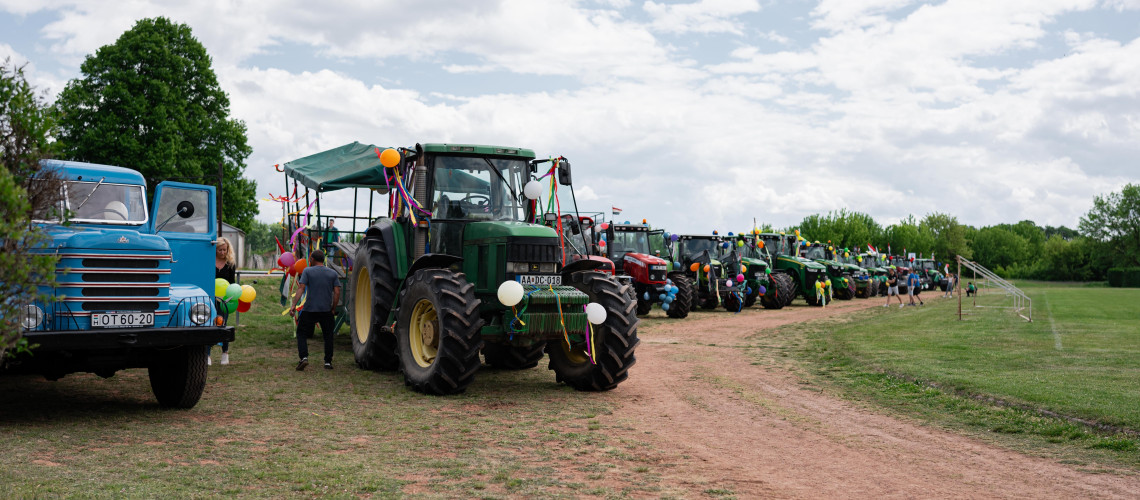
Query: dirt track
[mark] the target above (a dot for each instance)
(757, 431)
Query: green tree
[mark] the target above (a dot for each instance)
(843, 228)
(997, 246)
(151, 102)
(948, 237)
(1065, 260)
(1115, 222)
(907, 236)
(25, 188)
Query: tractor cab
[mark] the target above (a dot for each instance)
(803, 272)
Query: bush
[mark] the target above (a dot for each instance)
(1124, 277)
(1116, 277)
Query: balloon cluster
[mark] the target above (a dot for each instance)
(234, 297)
(668, 297)
(291, 264)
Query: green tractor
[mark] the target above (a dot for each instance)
(709, 261)
(842, 279)
(774, 290)
(929, 274)
(804, 273)
(873, 265)
(462, 266)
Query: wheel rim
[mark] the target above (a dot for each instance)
(423, 333)
(362, 306)
(576, 355)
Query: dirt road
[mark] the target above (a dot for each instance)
(755, 430)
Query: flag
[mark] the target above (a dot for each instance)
(616, 210)
(871, 248)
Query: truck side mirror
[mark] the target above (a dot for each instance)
(185, 209)
(564, 172)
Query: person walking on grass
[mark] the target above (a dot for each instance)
(912, 284)
(892, 288)
(323, 287)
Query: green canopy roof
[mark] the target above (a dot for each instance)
(349, 166)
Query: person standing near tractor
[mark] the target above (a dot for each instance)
(892, 288)
(323, 286)
(912, 288)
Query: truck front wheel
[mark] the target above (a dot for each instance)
(178, 376)
(437, 329)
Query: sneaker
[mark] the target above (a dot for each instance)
(886, 305)
(902, 306)
(225, 358)
(209, 361)
(302, 364)
(328, 366)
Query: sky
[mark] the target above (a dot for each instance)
(697, 114)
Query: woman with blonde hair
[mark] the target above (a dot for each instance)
(225, 267)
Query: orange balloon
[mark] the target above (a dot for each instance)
(706, 268)
(760, 243)
(390, 158)
(299, 266)
(694, 267)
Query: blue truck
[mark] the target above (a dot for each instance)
(134, 283)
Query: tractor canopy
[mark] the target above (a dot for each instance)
(349, 166)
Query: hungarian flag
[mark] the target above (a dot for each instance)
(617, 211)
(871, 248)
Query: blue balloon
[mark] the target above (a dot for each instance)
(668, 299)
(646, 296)
(664, 307)
(674, 237)
(762, 289)
(626, 222)
(730, 233)
(676, 265)
(748, 290)
(661, 297)
(724, 245)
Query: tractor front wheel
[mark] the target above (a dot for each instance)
(732, 302)
(371, 292)
(750, 299)
(777, 296)
(614, 340)
(681, 304)
(643, 306)
(437, 330)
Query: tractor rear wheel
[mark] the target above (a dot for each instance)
(777, 296)
(683, 301)
(371, 292)
(614, 340)
(643, 306)
(510, 357)
(437, 330)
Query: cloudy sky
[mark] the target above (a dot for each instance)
(696, 114)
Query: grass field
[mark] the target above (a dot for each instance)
(1079, 359)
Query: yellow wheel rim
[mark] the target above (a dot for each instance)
(362, 306)
(576, 355)
(423, 333)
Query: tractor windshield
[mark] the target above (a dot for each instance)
(692, 246)
(928, 265)
(657, 243)
(629, 241)
(467, 188)
(775, 244)
(816, 253)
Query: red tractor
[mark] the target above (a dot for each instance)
(627, 246)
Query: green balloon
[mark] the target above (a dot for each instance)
(231, 306)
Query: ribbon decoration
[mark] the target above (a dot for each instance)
(304, 224)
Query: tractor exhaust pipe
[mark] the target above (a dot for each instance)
(420, 193)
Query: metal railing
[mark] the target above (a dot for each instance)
(1022, 304)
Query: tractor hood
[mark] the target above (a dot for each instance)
(501, 230)
(809, 264)
(79, 237)
(644, 259)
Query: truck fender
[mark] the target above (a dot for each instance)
(433, 261)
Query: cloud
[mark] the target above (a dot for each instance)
(702, 16)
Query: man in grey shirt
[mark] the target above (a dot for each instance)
(323, 287)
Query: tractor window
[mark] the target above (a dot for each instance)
(629, 241)
(657, 243)
(467, 188)
(815, 253)
(690, 248)
(106, 203)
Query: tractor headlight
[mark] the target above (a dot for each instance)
(200, 314)
(33, 317)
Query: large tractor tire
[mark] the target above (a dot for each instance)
(437, 331)
(643, 306)
(371, 292)
(733, 302)
(509, 357)
(777, 296)
(679, 309)
(615, 339)
(751, 298)
(178, 376)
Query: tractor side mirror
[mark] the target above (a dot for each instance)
(550, 217)
(185, 209)
(564, 172)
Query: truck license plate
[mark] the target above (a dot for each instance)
(541, 279)
(121, 320)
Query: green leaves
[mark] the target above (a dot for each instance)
(151, 102)
(1115, 221)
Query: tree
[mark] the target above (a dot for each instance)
(25, 188)
(996, 246)
(1065, 260)
(844, 229)
(1115, 220)
(906, 236)
(947, 235)
(151, 102)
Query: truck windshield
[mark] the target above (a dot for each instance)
(629, 241)
(106, 203)
(467, 188)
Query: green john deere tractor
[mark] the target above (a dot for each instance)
(774, 290)
(865, 284)
(842, 281)
(709, 261)
(804, 273)
(461, 267)
(872, 264)
(931, 277)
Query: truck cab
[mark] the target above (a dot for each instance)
(133, 287)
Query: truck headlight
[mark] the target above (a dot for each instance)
(200, 314)
(33, 316)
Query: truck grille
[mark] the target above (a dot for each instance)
(93, 282)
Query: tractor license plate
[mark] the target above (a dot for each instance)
(122, 320)
(541, 279)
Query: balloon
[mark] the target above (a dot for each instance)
(859, 259)
(602, 243)
(645, 295)
(724, 245)
(233, 292)
(644, 221)
(740, 278)
(706, 269)
(510, 293)
(831, 249)
(390, 158)
(694, 267)
(604, 226)
(231, 306)
(762, 290)
(748, 290)
(664, 307)
(846, 254)
(661, 297)
(676, 265)
(673, 237)
(727, 282)
(287, 259)
(760, 243)
(300, 265)
(532, 190)
(743, 270)
(595, 313)
(220, 285)
(730, 233)
(626, 222)
(247, 294)
(739, 243)
(243, 306)
(668, 299)
(715, 233)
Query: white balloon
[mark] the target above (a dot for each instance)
(595, 313)
(510, 293)
(532, 190)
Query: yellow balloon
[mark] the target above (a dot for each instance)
(247, 294)
(743, 269)
(390, 158)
